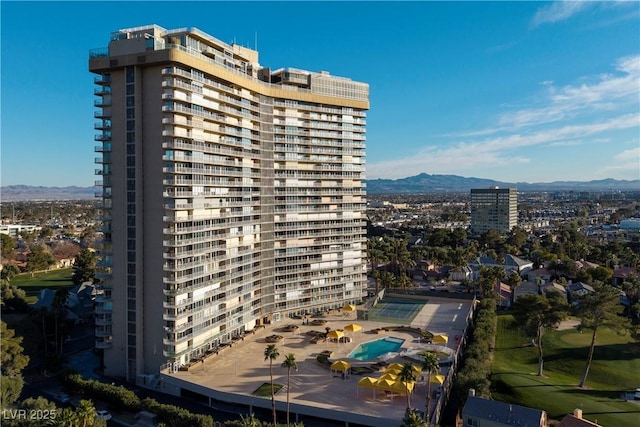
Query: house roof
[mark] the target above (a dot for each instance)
(573, 421)
(501, 412)
(503, 290)
(573, 287)
(539, 272)
(557, 286)
(514, 260)
(623, 272)
(585, 264)
(526, 287)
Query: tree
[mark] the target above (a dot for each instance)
(488, 279)
(9, 271)
(39, 258)
(537, 313)
(430, 363)
(513, 281)
(84, 267)
(412, 419)
(12, 362)
(86, 413)
(271, 353)
(6, 248)
(289, 363)
(407, 375)
(59, 308)
(597, 309)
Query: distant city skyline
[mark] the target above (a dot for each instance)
(511, 91)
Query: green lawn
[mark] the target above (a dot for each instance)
(32, 284)
(265, 390)
(615, 369)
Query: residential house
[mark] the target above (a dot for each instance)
(578, 289)
(554, 286)
(459, 274)
(479, 412)
(526, 287)
(522, 266)
(621, 273)
(79, 306)
(541, 274)
(503, 293)
(576, 420)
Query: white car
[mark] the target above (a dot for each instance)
(103, 415)
(636, 395)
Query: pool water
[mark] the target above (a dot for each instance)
(372, 349)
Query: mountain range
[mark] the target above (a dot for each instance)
(422, 183)
(425, 183)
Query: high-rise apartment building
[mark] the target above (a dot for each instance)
(232, 194)
(494, 209)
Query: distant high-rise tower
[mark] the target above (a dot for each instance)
(232, 194)
(494, 209)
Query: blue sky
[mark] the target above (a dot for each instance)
(513, 91)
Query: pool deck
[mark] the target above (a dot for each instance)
(237, 372)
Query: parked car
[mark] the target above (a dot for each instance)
(103, 415)
(636, 395)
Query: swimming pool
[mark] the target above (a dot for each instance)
(372, 349)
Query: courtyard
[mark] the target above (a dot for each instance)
(237, 372)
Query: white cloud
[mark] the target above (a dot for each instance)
(493, 153)
(594, 110)
(605, 93)
(632, 154)
(559, 11)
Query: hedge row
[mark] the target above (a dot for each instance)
(122, 397)
(476, 362)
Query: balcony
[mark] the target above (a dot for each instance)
(104, 90)
(103, 79)
(102, 137)
(102, 103)
(104, 148)
(100, 344)
(106, 321)
(102, 125)
(103, 114)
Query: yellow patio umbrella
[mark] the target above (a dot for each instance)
(384, 384)
(394, 370)
(401, 386)
(340, 365)
(436, 379)
(440, 339)
(367, 382)
(353, 328)
(349, 307)
(394, 366)
(335, 334)
(388, 376)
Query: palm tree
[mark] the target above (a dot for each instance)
(429, 364)
(513, 280)
(407, 376)
(86, 413)
(289, 363)
(271, 353)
